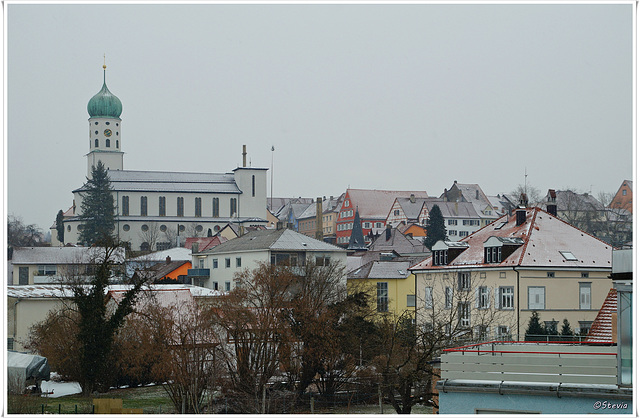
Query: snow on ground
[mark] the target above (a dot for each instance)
(59, 388)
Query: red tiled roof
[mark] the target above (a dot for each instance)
(376, 203)
(544, 237)
(602, 326)
(204, 243)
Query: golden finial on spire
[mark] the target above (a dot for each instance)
(104, 66)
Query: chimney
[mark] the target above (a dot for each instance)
(388, 232)
(412, 198)
(195, 247)
(444, 195)
(477, 194)
(521, 216)
(244, 155)
(319, 232)
(279, 225)
(168, 260)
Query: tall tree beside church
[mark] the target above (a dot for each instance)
(98, 208)
(436, 230)
(60, 226)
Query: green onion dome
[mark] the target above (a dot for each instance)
(104, 104)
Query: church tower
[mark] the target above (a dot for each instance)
(105, 142)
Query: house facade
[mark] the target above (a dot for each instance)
(373, 207)
(530, 261)
(216, 268)
(623, 199)
(47, 265)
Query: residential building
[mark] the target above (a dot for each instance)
(154, 208)
(373, 207)
(28, 305)
(45, 265)
(169, 272)
(292, 210)
(215, 268)
(308, 220)
(623, 198)
(550, 378)
(471, 193)
(529, 261)
(382, 271)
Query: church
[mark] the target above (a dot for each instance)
(156, 210)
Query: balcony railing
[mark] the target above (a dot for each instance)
(198, 273)
(593, 363)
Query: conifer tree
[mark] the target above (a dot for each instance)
(60, 226)
(98, 208)
(436, 230)
(535, 327)
(566, 328)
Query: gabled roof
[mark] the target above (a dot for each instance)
(411, 207)
(397, 242)
(568, 200)
(273, 239)
(160, 270)
(376, 203)
(204, 243)
(62, 255)
(453, 209)
(382, 270)
(602, 327)
(170, 181)
(469, 192)
(544, 237)
(328, 205)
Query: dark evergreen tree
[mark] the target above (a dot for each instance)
(566, 328)
(436, 230)
(60, 226)
(97, 326)
(98, 208)
(535, 328)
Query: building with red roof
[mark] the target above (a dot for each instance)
(524, 262)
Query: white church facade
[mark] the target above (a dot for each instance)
(153, 209)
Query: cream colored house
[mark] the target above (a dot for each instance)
(493, 280)
(46, 265)
(216, 268)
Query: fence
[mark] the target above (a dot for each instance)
(556, 362)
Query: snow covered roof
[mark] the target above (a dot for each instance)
(453, 209)
(55, 291)
(63, 255)
(176, 253)
(273, 239)
(544, 237)
(169, 181)
(376, 203)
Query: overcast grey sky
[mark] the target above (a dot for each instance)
(408, 97)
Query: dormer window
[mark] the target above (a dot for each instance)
(445, 252)
(497, 249)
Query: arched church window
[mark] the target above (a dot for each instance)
(96, 123)
(107, 123)
(97, 143)
(108, 143)
(117, 144)
(96, 132)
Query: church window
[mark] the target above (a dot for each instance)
(117, 124)
(216, 228)
(96, 123)
(253, 186)
(162, 206)
(143, 205)
(198, 206)
(97, 143)
(126, 227)
(125, 205)
(108, 143)
(216, 207)
(232, 206)
(181, 228)
(96, 132)
(181, 206)
(199, 228)
(117, 133)
(107, 123)
(117, 143)
(163, 228)
(145, 227)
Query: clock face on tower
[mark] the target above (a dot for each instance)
(107, 132)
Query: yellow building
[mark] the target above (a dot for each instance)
(389, 284)
(493, 280)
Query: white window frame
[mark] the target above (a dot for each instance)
(585, 295)
(448, 297)
(428, 297)
(536, 297)
(505, 298)
(483, 297)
